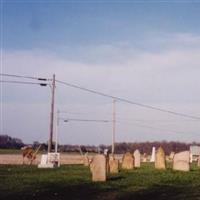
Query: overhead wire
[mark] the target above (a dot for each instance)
(24, 82)
(27, 77)
(85, 120)
(128, 101)
(98, 93)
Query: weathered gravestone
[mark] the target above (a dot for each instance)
(128, 161)
(98, 168)
(181, 161)
(113, 165)
(137, 158)
(160, 159)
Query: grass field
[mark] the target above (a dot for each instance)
(74, 182)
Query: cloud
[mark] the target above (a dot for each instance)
(167, 78)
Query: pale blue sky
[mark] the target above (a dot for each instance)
(144, 51)
(54, 25)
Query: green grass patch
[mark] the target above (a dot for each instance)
(74, 182)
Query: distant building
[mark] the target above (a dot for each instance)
(194, 152)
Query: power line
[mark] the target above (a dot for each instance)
(119, 121)
(85, 120)
(158, 120)
(28, 77)
(24, 82)
(128, 101)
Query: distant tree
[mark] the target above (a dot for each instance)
(9, 142)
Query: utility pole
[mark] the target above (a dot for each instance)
(52, 114)
(57, 131)
(113, 128)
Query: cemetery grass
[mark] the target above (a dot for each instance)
(74, 182)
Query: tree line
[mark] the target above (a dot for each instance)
(8, 142)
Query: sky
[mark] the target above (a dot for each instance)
(143, 51)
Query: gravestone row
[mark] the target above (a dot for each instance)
(101, 165)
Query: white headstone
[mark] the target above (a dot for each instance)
(181, 161)
(137, 158)
(153, 155)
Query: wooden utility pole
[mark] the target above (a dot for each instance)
(113, 129)
(52, 114)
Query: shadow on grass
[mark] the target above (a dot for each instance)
(115, 178)
(62, 192)
(164, 192)
(96, 191)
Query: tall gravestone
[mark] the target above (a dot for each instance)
(160, 159)
(137, 158)
(98, 168)
(128, 161)
(181, 161)
(153, 154)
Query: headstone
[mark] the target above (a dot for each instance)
(181, 161)
(198, 162)
(128, 161)
(113, 165)
(98, 168)
(160, 159)
(137, 158)
(153, 154)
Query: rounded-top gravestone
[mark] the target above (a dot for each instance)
(128, 161)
